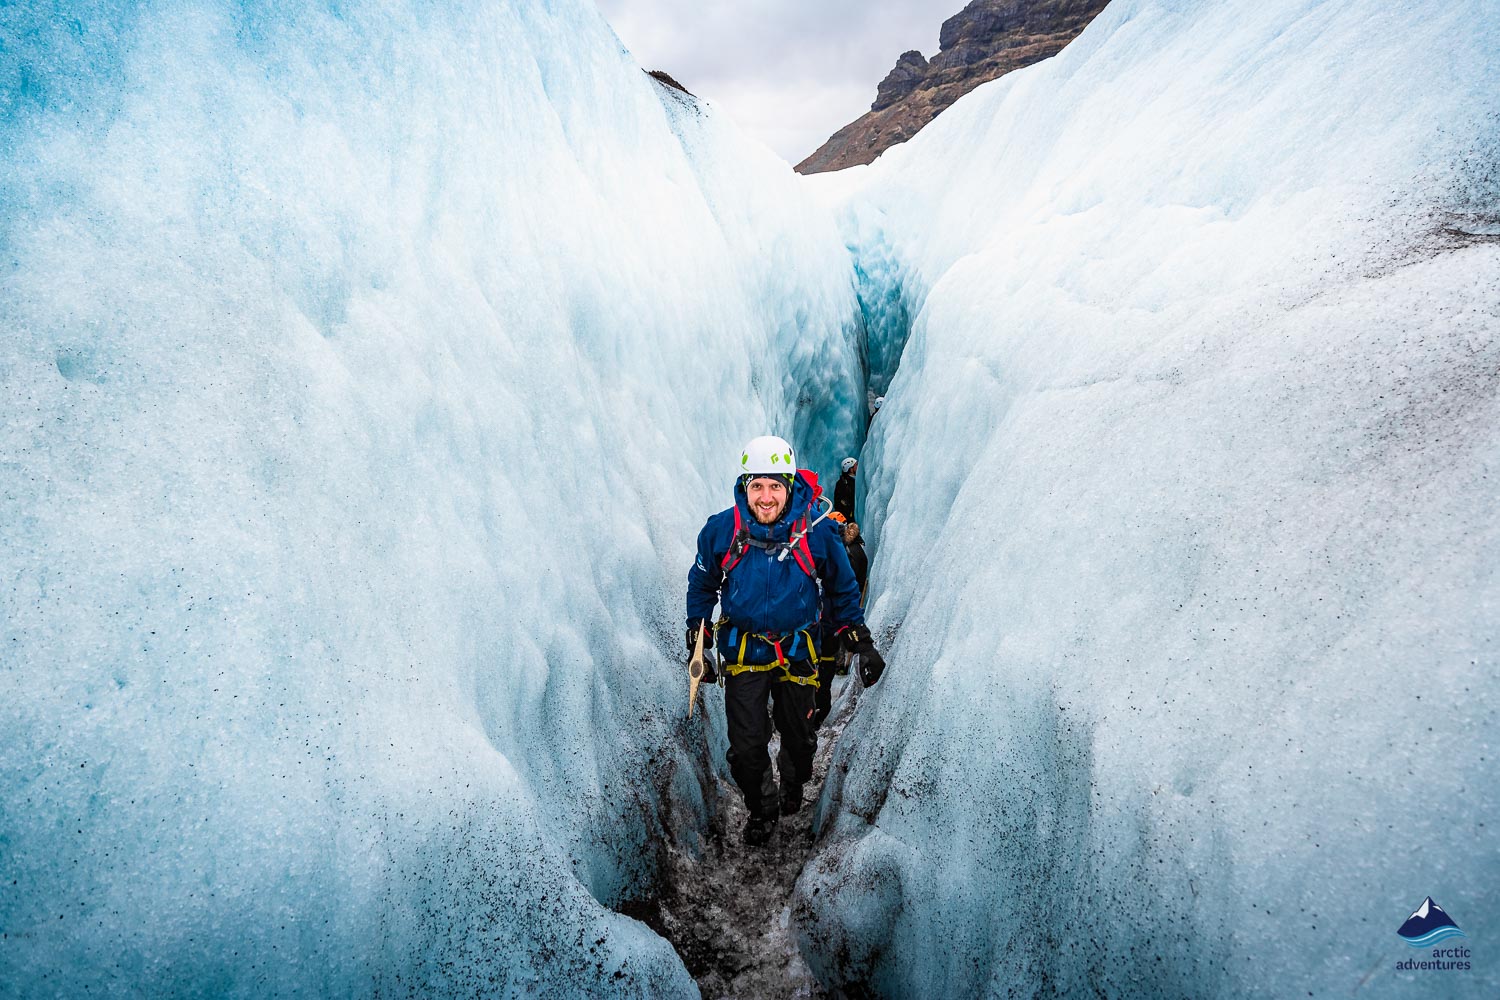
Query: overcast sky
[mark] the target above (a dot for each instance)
(789, 72)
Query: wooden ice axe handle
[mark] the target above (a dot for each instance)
(695, 672)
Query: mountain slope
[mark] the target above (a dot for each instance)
(982, 42)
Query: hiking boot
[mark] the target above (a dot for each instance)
(758, 830)
(791, 799)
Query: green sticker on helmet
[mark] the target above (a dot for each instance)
(745, 459)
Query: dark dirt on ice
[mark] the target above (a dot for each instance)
(728, 913)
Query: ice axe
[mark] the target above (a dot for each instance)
(695, 672)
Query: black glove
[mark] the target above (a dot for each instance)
(871, 663)
(694, 627)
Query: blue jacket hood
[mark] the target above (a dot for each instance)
(802, 498)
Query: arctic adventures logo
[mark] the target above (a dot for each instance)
(1426, 927)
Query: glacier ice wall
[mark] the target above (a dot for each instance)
(360, 363)
(1185, 496)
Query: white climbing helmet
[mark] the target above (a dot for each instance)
(768, 456)
(879, 402)
(848, 464)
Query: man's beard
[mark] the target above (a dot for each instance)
(775, 516)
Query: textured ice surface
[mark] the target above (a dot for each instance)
(359, 365)
(1185, 497)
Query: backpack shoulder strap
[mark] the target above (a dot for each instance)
(802, 552)
(736, 548)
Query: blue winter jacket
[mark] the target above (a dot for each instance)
(766, 595)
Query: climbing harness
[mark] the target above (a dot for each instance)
(800, 639)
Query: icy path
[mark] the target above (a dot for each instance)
(729, 913)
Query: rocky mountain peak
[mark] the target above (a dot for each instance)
(985, 40)
(909, 71)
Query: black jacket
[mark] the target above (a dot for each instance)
(843, 496)
(859, 561)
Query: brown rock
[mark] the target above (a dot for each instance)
(663, 77)
(909, 71)
(982, 42)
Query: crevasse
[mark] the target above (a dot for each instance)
(364, 372)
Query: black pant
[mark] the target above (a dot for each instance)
(749, 756)
(828, 647)
(824, 699)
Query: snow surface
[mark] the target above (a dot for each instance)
(1184, 500)
(368, 370)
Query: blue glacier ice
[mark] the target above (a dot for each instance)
(1186, 499)
(367, 371)
(368, 368)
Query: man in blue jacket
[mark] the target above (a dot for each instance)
(766, 562)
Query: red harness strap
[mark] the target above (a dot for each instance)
(801, 551)
(730, 555)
